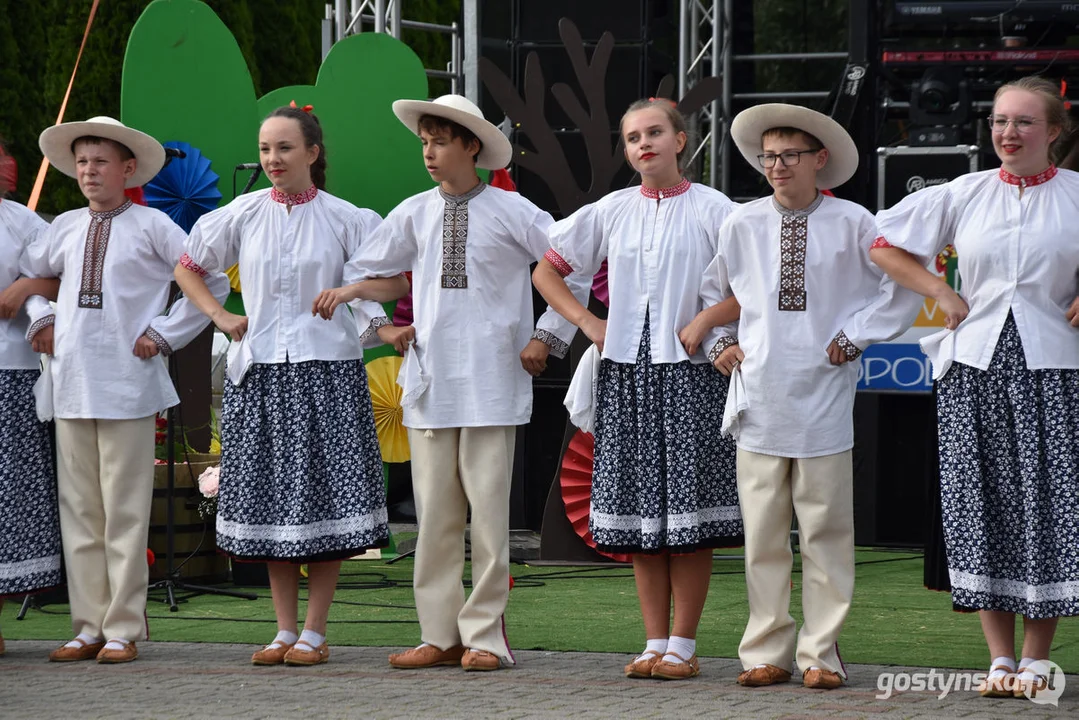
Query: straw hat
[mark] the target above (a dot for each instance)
(749, 125)
(496, 152)
(56, 142)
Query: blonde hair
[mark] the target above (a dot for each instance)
(677, 120)
(1056, 114)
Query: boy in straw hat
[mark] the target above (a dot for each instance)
(107, 338)
(467, 376)
(811, 300)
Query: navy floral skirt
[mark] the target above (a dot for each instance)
(301, 470)
(29, 518)
(1009, 474)
(663, 475)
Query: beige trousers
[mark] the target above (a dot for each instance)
(105, 477)
(819, 490)
(453, 468)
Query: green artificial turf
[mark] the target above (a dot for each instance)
(894, 620)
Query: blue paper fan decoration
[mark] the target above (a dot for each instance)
(186, 188)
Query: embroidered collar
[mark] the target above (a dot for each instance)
(787, 212)
(1029, 180)
(654, 194)
(299, 199)
(110, 214)
(458, 199)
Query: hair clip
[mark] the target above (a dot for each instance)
(306, 108)
(663, 99)
(1063, 95)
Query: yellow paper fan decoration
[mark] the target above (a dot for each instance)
(386, 401)
(234, 278)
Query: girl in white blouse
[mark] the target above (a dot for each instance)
(301, 470)
(663, 484)
(1007, 367)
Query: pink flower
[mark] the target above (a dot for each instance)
(208, 481)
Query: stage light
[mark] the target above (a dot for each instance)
(939, 105)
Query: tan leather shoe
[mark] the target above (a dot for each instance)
(1001, 686)
(270, 655)
(665, 670)
(84, 651)
(764, 675)
(642, 665)
(303, 654)
(426, 656)
(480, 661)
(821, 679)
(1022, 687)
(113, 657)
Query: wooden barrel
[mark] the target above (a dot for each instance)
(195, 543)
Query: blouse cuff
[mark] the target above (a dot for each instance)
(880, 243)
(188, 264)
(159, 340)
(559, 264)
(38, 326)
(848, 347)
(559, 348)
(372, 329)
(722, 344)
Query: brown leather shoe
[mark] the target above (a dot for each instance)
(665, 670)
(764, 675)
(821, 679)
(1001, 686)
(298, 654)
(1024, 688)
(270, 656)
(642, 665)
(480, 661)
(84, 651)
(113, 657)
(426, 656)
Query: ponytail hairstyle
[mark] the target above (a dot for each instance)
(312, 136)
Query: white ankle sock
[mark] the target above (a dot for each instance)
(115, 645)
(311, 639)
(1005, 662)
(283, 638)
(86, 639)
(1027, 662)
(685, 647)
(658, 645)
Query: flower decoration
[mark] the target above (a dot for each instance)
(208, 485)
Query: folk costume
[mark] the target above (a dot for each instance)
(465, 390)
(1007, 385)
(803, 279)
(301, 469)
(663, 477)
(116, 269)
(29, 519)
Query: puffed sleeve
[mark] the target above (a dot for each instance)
(388, 250)
(578, 243)
(923, 223)
(214, 242)
(715, 288)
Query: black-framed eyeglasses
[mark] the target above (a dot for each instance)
(788, 158)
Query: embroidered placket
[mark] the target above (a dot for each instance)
(93, 260)
(454, 237)
(793, 236)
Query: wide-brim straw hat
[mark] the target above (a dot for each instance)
(56, 142)
(496, 152)
(750, 125)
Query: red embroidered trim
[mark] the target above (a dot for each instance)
(880, 243)
(560, 265)
(188, 264)
(285, 199)
(1029, 180)
(654, 194)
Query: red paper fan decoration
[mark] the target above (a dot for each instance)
(576, 481)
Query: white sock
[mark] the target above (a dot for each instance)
(1027, 662)
(311, 639)
(1004, 662)
(86, 640)
(659, 645)
(115, 645)
(283, 638)
(685, 647)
